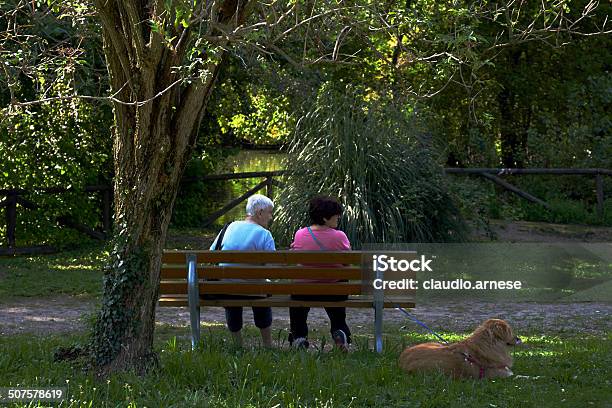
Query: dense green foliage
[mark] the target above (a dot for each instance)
(362, 149)
(61, 142)
(61, 145)
(542, 101)
(251, 115)
(491, 84)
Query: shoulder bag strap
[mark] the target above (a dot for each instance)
(316, 240)
(219, 243)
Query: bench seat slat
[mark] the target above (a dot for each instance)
(283, 301)
(265, 288)
(261, 272)
(279, 257)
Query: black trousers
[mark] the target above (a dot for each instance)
(233, 315)
(298, 317)
(261, 315)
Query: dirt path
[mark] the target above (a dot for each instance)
(64, 315)
(528, 231)
(69, 314)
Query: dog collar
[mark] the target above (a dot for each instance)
(481, 368)
(472, 360)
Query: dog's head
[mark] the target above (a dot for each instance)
(499, 331)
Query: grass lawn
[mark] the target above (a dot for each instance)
(551, 372)
(75, 273)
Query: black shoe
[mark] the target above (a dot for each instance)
(341, 340)
(301, 343)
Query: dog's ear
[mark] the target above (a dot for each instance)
(499, 329)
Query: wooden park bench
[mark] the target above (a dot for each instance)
(187, 275)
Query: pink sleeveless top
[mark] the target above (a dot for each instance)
(331, 239)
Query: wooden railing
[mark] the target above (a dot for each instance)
(491, 174)
(494, 175)
(268, 183)
(13, 197)
(16, 196)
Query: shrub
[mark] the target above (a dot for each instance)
(367, 152)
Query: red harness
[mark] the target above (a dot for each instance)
(481, 368)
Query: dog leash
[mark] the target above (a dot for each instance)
(420, 323)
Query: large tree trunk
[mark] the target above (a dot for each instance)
(155, 128)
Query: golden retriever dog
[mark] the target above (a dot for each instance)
(485, 354)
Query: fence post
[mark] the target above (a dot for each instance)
(11, 218)
(600, 195)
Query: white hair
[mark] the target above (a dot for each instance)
(258, 202)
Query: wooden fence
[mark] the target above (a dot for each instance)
(495, 176)
(16, 196)
(13, 197)
(268, 183)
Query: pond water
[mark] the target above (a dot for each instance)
(246, 161)
(254, 160)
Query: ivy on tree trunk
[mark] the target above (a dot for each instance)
(156, 120)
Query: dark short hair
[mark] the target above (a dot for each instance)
(323, 207)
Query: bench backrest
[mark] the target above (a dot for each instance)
(283, 267)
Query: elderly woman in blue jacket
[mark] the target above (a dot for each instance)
(250, 234)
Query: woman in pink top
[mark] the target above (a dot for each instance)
(321, 235)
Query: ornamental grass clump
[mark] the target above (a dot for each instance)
(369, 154)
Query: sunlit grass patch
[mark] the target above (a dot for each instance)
(75, 273)
(75, 267)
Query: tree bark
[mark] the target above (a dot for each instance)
(154, 132)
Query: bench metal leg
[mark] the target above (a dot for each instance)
(193, 293)
(378, 324)
(379, 303)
